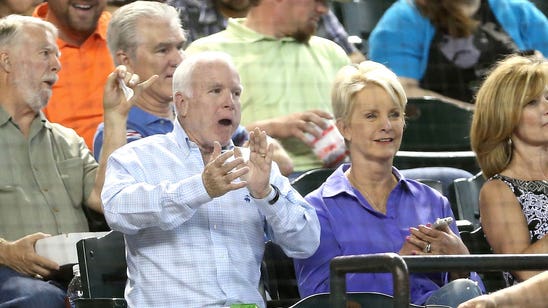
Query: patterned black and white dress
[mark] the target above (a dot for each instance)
(533, 199)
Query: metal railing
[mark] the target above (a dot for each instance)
(400, 266)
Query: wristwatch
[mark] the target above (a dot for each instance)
(276, 197)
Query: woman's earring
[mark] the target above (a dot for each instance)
(509, 146)
(508, 150)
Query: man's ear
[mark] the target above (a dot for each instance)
(123, 58)
(181, 104)
(5, 63)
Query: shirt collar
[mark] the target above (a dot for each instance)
(339, 183)
(6, 117)
(44, 120)
(237, 27)
(102, 25)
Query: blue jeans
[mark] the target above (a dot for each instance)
(18, 290)
(454, 293)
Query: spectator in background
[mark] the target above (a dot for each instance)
(48, 174)
(285, 70)
(147, 38)
(77, 97)
(509, 135)
(193, 217)
(21, 7)
(443, 48)
(205, 17)
(369, 207)
(157, 51)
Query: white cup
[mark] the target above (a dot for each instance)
(330, 147)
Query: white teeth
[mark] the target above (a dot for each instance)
(82, 6)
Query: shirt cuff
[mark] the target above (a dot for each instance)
(272, 196)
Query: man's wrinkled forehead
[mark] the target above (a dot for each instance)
(212, 71)
(39, 34)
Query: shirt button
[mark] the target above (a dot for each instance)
(215, 227)
(56, 210)
(45, 190)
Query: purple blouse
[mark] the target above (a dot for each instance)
(350, 226)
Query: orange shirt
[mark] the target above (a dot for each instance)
(77, 99)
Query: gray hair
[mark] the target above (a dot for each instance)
(12, 25)
(182, 78)
(122, 28)
(351, 79)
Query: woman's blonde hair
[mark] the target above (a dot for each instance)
(351, 79)
(512, 84)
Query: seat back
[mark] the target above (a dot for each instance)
(435, 184)
(476, 242)
(311, 180)
(103, 266)
(278, 273)
(446, 177)
(435, 125)
(96, 221)
(436, 134)
(279, 277)
(465, 160)
(467, 198)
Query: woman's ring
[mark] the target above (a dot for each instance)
(428, 247)
(263, 155)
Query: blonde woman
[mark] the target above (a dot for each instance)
(509, 134)
(367, 206)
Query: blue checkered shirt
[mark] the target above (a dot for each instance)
(185, 249)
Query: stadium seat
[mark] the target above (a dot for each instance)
(103, 270)
(436, 134)
(467, 198)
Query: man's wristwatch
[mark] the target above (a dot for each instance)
(274, 199)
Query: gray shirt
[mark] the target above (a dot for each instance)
(44, 179)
